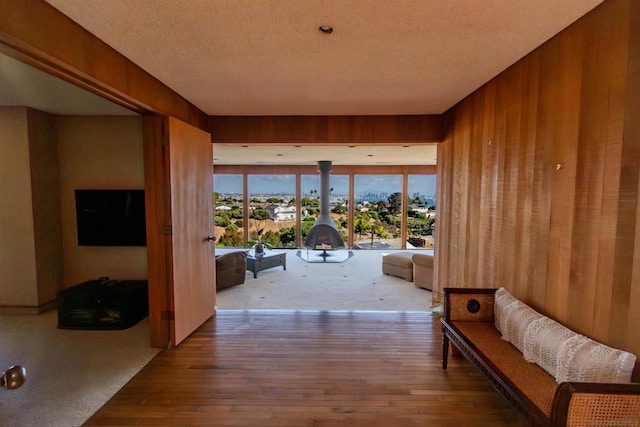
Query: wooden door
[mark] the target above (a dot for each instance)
(191, 172)
(178, 197)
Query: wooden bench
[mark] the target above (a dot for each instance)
(468, 322)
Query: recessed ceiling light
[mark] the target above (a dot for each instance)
(352, 146)
(279, 155)
(326, 29)
(370, 155)
(244, 146)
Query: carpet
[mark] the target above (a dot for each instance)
(355, 284)
(70, 373)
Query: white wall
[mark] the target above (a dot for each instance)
(43, 159)
(45, 197)
(18, 285)
(105, 153)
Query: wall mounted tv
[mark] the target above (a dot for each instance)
(111, 218)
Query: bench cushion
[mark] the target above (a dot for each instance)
(564, 354)
(503, 299)
(543, 341)
(585, 360)
(527, 377)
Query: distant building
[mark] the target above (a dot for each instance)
(282, 213)
(425, 210)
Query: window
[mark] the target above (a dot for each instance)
(378, 213)
(228, 199)
(421, 214)
(272, 209)
(380, 209)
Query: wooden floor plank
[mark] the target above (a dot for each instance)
(308, 368)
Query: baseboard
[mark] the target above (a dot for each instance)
(28, 309)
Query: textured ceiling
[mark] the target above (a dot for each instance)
(25, 86)
(267, 57)
(379, 155)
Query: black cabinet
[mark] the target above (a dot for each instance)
(103, 304)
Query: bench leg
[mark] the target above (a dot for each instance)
(445, 351)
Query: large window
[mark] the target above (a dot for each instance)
(384, 217)
(378, 214)
(339, 201)
(228, 198)
(421, 212)
(272, 210)
(309, 202)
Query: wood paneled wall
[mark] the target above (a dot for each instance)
(326, 129)
(538, 179)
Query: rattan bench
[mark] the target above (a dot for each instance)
(468, 322)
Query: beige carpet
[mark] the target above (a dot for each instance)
(356, 284)
(70, 374)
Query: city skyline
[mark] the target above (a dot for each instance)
(285, 184)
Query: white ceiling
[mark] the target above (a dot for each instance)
(25, 86)
(267, 57)
(380, 155)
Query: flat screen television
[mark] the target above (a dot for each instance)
(111, 218)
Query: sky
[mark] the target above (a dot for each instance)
(285, 184)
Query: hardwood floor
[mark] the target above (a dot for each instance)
(308, 368)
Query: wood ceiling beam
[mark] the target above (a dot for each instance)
(382, 130)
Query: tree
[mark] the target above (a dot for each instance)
(395, 203)
(338, 209)
(272, 239)
(221, 220)
(378, 230)
(275, 200)
(236, 212)
(420, 227)
(230, 238)
(288, 236)
(305, 201)
(259, 213)
(416, 214)
(361, 226)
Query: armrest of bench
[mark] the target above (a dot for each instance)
(469, 304)
(596, 404)
(464, 304)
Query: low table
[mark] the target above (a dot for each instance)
(267, 260)
(103, 304)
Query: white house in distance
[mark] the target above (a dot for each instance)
(425, 210)
(282, 213)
